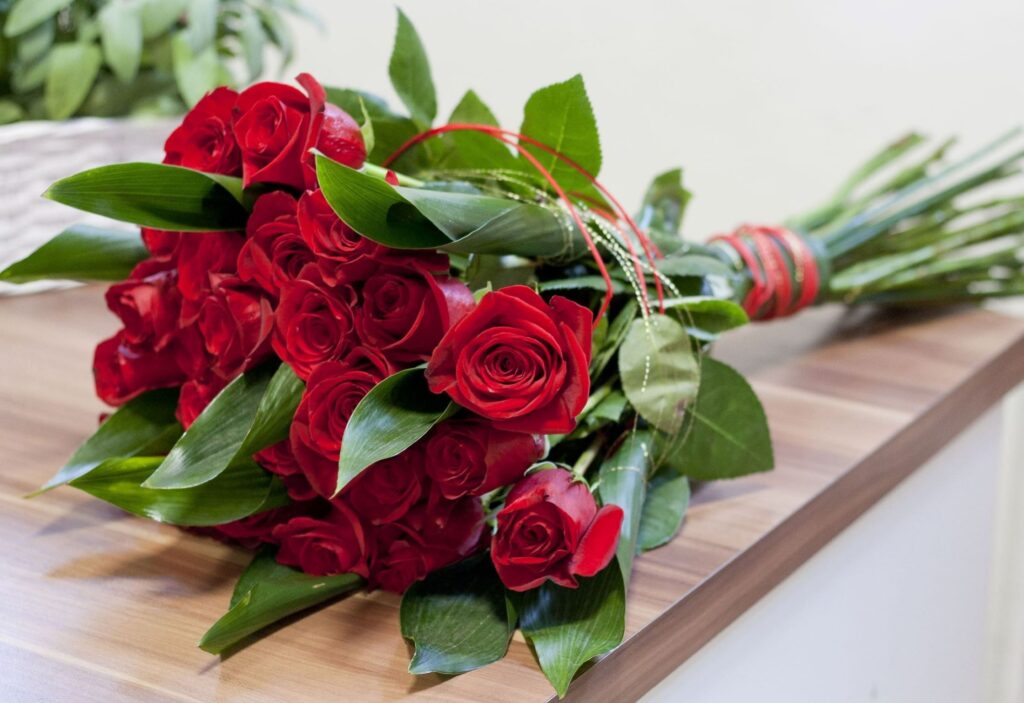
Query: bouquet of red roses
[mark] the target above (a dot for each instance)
(466, 375)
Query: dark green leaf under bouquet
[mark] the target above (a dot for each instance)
(107, 58)
(445, 361)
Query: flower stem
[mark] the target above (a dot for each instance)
(587, 458)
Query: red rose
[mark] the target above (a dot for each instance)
(550, 528)
(279, 460)
(336, 544)
(406, 311)
(332, 239)
(201, 255)
(254, 530)
(204, 140)
(518, 361)
(314, 322)
(402, 558)
(148, 304)
(332, 393)
(274, 252)
(276, 126)
(195, 396)
(235, 321)
(472, 457)
(123, 371)
(387, 490)
(161, 244)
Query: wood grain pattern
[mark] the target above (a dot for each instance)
(96, 605)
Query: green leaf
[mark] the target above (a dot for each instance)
(158, 16)
(366, 127)
(267, 592)
(623, 482)
(693, 266)
(279, 33)
(726, 433)
(195, 72)
(71, 72)
(707, 313)
(458, 618)
(251, 413)
(473, 150)
(239, 492)
(389, 419)
(410, 73)
(202, 24)
(668, 496)
(560, 116)
(81, 253)
(664, 203)
(659, 371)
(252, 36)
(26, 14)
(121, 35)
(10, 111)
(418, 218)
(36, 42)
(143, 426)
(155, 195)
(613, 340)
(569, 626)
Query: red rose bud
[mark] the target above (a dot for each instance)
(235, 321)
(204, 140)
(279, 460)
(385, 491)
(123, 371)
(550, 528)
(276, 127)
(275, 252)
(148, 304)
(195, 395)
(406, 310)
(314, 321)
(200, 256)
(332, 393)
(518, 361)
(472, 457)
(336, 544)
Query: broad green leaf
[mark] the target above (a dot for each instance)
(252, 36)
(26, 14)
(458, 618)
(155, 195)
(81, 253)
(202, 24)
(410, 73)
(26, 78)
(418, 218)
(664, 203)
(560, 116)
(726, 432)
(70, 74)
(693, 265)
(10, 111)
(160, 15)
(144, 426)
(570, 626)
(389, 419)
(659, 370)
(239, 492)
(473, 150)
(279, 33)
(121, 35)
(36, 42)
(274, 414)
(617, 331)
(267, 592)
(579, 282)
(623, 482)
(214, 442)
(668, 496)
(195, 72)
(390, 130)
(707, 313)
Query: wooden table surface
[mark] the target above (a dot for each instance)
(98, 605)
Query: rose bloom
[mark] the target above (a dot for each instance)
(332, 239)
(204, 141)
(200, 256)
(551, 528)
(160, 243)
(518, 360)
(235, 321)
(406, 310)
(279, 460)
(122, 370)
(195, 395)
(314, 321)
(148, 304)
(252, 531)
(471, 457)
(274, 252)
(385, 491)
(332, 393)
(276, 127)
(335, 544)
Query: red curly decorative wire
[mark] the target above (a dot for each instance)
(783, 270)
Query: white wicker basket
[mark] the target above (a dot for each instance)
(35, 154)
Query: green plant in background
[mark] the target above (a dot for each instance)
(62, 58)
